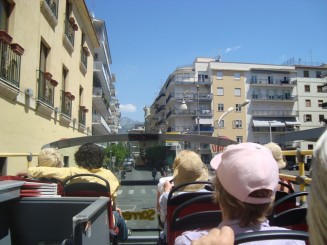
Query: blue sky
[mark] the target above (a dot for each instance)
(149, 39)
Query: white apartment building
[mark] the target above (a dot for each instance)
(311, 95)
(105, 105)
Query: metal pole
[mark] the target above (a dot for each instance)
(198, 114)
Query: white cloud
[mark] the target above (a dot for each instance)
(127, 108)
(227, 50)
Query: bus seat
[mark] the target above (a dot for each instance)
(294, 219)
(71, 188)
(271, 235)
(194, 205)
(281, 218)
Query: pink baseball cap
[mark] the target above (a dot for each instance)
(244, 168)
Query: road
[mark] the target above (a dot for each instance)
(137, 199)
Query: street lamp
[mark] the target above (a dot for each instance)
(184, 107)
(270, 134)
(229, 110)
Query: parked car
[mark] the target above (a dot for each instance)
(128, 166)
(130, 160)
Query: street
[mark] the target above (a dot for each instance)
(136, 197)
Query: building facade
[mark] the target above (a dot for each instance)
(105, 111)
(245, 102)
(47, 50)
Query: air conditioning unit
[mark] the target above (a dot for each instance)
(29, 92)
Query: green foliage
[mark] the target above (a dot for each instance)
(120, 151)
(155, 156)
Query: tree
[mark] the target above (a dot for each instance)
(120, 151)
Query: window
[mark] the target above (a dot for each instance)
(321, 118)
(237, 124)
(237, 76)
(308, 118)
(239, 139)
(306, 88)
(254, 79)
(221, 124)
(4, 14)
(318, 74)
(319, 89)
(320, 103)
(220, 75)
(202, 77)
(220, 91)
(220, 107)
(305, 73)
(270, 80)
(237, 92)
(310, 146)
(307, 103)
(238, 108)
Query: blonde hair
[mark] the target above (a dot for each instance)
(49, 157)
(247, 214)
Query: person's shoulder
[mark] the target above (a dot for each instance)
(188, 236)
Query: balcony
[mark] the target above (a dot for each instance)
(100, 125)
(66, 107)
(10, 62)
(82, 118)
(45, 98)
(99, 69)
(69, 35)
(83, 64)
(273, 82)
(275, 113)
(49, 9)
(276, 98)
(101, 102)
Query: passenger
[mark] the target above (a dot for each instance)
(317, 203)
(245, 186)
(89, 159)
(278, 155)
(187, 167)
(49, 157)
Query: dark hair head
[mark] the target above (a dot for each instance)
(89, 156)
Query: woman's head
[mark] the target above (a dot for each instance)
(49, 157)
(247, 178)
(247, 214)
(189, 167)
(89, 156)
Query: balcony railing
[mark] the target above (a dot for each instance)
(53, 7)
(10, 62)
(69, 31)
(273, 97)
(66, 104)
(272, 81)
(275, 113)
(82, 117)
(84, 54)
(46, 89)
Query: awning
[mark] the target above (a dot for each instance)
(206, 121)
(265, 123)
(292, 122)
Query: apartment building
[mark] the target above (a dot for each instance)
(311, 94)
(105, 111)
(46, 74)
(241, 101)
(184, 105)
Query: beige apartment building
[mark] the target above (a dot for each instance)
(46, 75)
